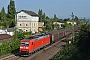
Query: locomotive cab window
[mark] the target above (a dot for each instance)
(25, 43)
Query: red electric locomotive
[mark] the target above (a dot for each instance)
(34, 43)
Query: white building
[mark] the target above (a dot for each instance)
(27, 21)
(60, 24)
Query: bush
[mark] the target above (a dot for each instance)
(19, 34)
(8, 47)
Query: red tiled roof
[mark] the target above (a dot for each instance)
(5, 36)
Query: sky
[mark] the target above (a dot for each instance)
(62, 8)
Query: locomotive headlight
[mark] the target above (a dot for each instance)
(21, 47)
(27, 48)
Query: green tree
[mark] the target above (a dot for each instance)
(47, 17)
(0, 15)
(81, 21)
(48, 24)
(40, 15)
(67, 25)
(3, 14)
(27, 34)
(55, 18)
(44, 16)
(66, 19)
(60, 20)
(12, 23)
(6, 24)
(76, 20)
(19, 34)
(11, 10)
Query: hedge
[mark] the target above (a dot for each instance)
(8, 47)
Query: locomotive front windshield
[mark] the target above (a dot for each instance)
(25, 43)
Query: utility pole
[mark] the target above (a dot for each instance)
(72, 27)
(16, 26)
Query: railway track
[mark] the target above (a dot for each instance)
(44, 54)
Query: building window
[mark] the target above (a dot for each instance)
(26, 24)
(26, 30)
(19, 17)
(20, 25)
(34, 24)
